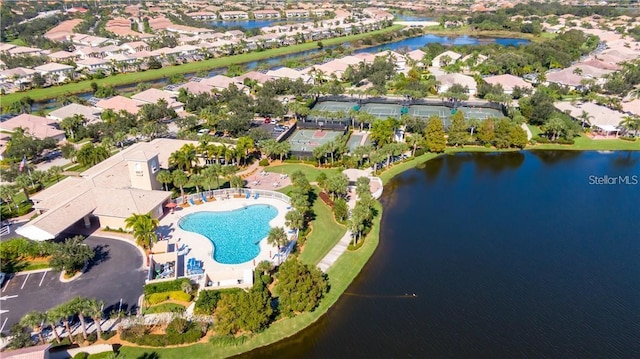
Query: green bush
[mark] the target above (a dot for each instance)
(178, 326)
(627, 138)
(161, 287)
(264, 162)
(178, 295)
(208, 300)
(266, 279)
(81, 355)
(191, 334)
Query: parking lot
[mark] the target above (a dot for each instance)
(116, 277)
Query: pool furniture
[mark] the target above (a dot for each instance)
(204, 198)
(191, 202)
(183, 250)
(248, 195)
(256, 195)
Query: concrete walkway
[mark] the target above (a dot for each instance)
(526, 128)
(335, 252)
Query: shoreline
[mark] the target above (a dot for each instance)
(346, 269)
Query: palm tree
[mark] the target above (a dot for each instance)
(277, 237)
(80, 306)
(24, 182)
(236, 182)
(631, 123)
(179, 180)
(196, 180)
(294, 219)
(53, 316)
(585, 118)
(34, 320)
(65, 310)
(165, 178)
(6, 193)
(94, 310)
(184, 157)
(55, 172)
(144, 228)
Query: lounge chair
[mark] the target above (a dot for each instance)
(248, 195)
(183, 250)
(204, 198)
(191, 202)
(256, 195)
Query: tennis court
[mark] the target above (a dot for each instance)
(335, 106)
(307, 140)
(382, 110)
(425, 111)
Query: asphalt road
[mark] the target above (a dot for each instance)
(115, 275)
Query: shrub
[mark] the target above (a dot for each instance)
(326, 199)
(166, 308)
(81, 355)
(266, 279)
(174, 285)
(208, 300)
(628, 138)
(191, 334)
(178, 295)
(178, 326)
(263, 162)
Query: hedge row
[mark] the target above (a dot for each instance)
(161, 287)
(208, 300)
(160, 340)
(178, 295)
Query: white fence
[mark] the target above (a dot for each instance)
(228, 193)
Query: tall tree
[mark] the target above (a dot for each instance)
(94, 310)
(300, 287)
(277, 237)
(180, 179)
(434, 135)
(457, 130)
(165, 178)
(34, 320)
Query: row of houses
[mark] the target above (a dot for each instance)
(258, 14)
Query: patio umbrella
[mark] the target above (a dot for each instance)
(171, 205)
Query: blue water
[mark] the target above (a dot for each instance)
(511, 255)
(414, 18)
(254, 24)
(236, 235)
(420, 41)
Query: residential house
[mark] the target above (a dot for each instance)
(61, 56)
(36, 126)
(448, 80)
(234, 15)
(194, 87)
(296, 13)
(415, 56)
(256, 76)
(605, 120)
(266, 14)
(18, 76)
(56, 72)
(445, 58)
(221, 82)
(120, 103)
(508, 82)
(286, 72)
(565, 77)
(35, 352)
(89, 40)
(135, 46)
(23, 50)
(203, 15)
(93, 65)
(90, 113)
(152, 95)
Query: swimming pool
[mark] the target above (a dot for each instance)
(236, 234)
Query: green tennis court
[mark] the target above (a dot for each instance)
(382, 110)
(334, 106)
(306, 140)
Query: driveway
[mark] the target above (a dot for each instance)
(116, 275)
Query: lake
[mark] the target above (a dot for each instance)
(414, 43)
(254, 24)
(511, 255)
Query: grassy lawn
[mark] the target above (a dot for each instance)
(535, 130)
(396, 169)
(341, 274)
(586, 144)
(25, 264)
(165, 308)
(309, 171)
(137, 77)
(18, 42)
(325, 234)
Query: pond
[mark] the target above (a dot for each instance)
(511, 255)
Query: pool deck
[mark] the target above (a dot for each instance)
(202, 248)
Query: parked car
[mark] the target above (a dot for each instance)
(204, 131)
(267, 120)
(2, 277)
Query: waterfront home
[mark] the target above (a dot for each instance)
(203, 15)
(189, 30)
(445, 58)
(473, 60)
(90, 52)
(415, 56)
(152, 96)
(296, 13)
(92, 64)
(508, 82)
(565, 77)
(36, 126)
(266, 14)
(366, 57)
(234, 15)
(193, 87)
(90, 113)
(120, 103)
(448, 80)
(107, 193)
(56, 72)
(603, 119)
